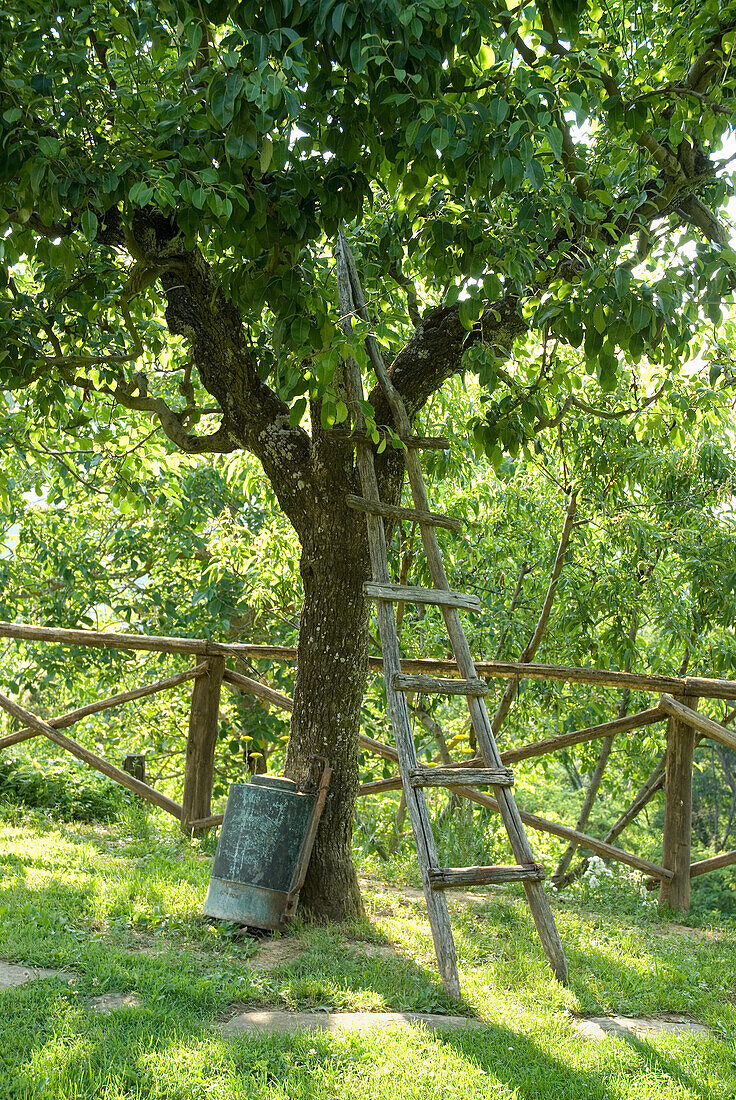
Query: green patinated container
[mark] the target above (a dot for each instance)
(260, 852)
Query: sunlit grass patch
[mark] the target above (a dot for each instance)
(120, 909)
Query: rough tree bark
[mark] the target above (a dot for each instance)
(331, 674)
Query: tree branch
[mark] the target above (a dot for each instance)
(702, 69)
(572, 402)
(529, 651)
(435, 351)
(219, 442)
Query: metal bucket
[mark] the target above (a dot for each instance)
(264, 847)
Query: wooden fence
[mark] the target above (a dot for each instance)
(677, 706)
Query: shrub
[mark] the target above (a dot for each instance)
(65, 789)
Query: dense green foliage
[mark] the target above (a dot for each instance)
(62, 790)
(503, 156)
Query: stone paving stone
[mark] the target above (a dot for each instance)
(276, 1020)
(12, 975)
(627, 1027)
(109, 1002)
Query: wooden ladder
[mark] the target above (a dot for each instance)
(435, 879)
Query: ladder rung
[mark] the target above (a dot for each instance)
(378, 508)
(459, 777)
(412, 594)
(438, 685)
(442, 878)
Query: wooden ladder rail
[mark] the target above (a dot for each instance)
(352, 298)
(439, 917)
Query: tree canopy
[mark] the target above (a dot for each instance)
(529, 157)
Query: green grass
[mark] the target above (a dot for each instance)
(119, 906)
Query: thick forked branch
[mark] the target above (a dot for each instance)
(435, 351)
(171, 421)
(253, 416)
(708, 63)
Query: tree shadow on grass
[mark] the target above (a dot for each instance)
(47, 1041)
(16, 864)
(634, 995)
(181, 997)
(521, 1063)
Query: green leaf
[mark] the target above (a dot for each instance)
(300, 330)
(535, 173)
(266, 153)
(554, 137)
(338, 16)
(297, 411)
(223, 96)
(640, 317)
(89, 225)
(440, 138)
(513, 172)
(242, 145)
(499, 111)
(41, 83)
(327, 414)
(49, 146)
(471, 310)
(622, 281)
(140, 193)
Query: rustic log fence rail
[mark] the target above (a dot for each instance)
(504, 670)
(676, 705)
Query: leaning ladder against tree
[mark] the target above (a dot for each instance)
(434, 878)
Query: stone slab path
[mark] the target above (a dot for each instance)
(260, 1021)
(636, 1027)
(12, 975)
(256, 1021)
(109, 1002)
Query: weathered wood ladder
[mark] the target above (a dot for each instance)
(434, 878)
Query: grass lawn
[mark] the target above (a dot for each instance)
(119, 906)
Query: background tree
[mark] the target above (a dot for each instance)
(172, 177)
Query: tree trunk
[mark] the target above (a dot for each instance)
(331, 675)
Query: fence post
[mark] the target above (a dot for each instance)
(201, 740)
(135, 764)
(678, 806)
